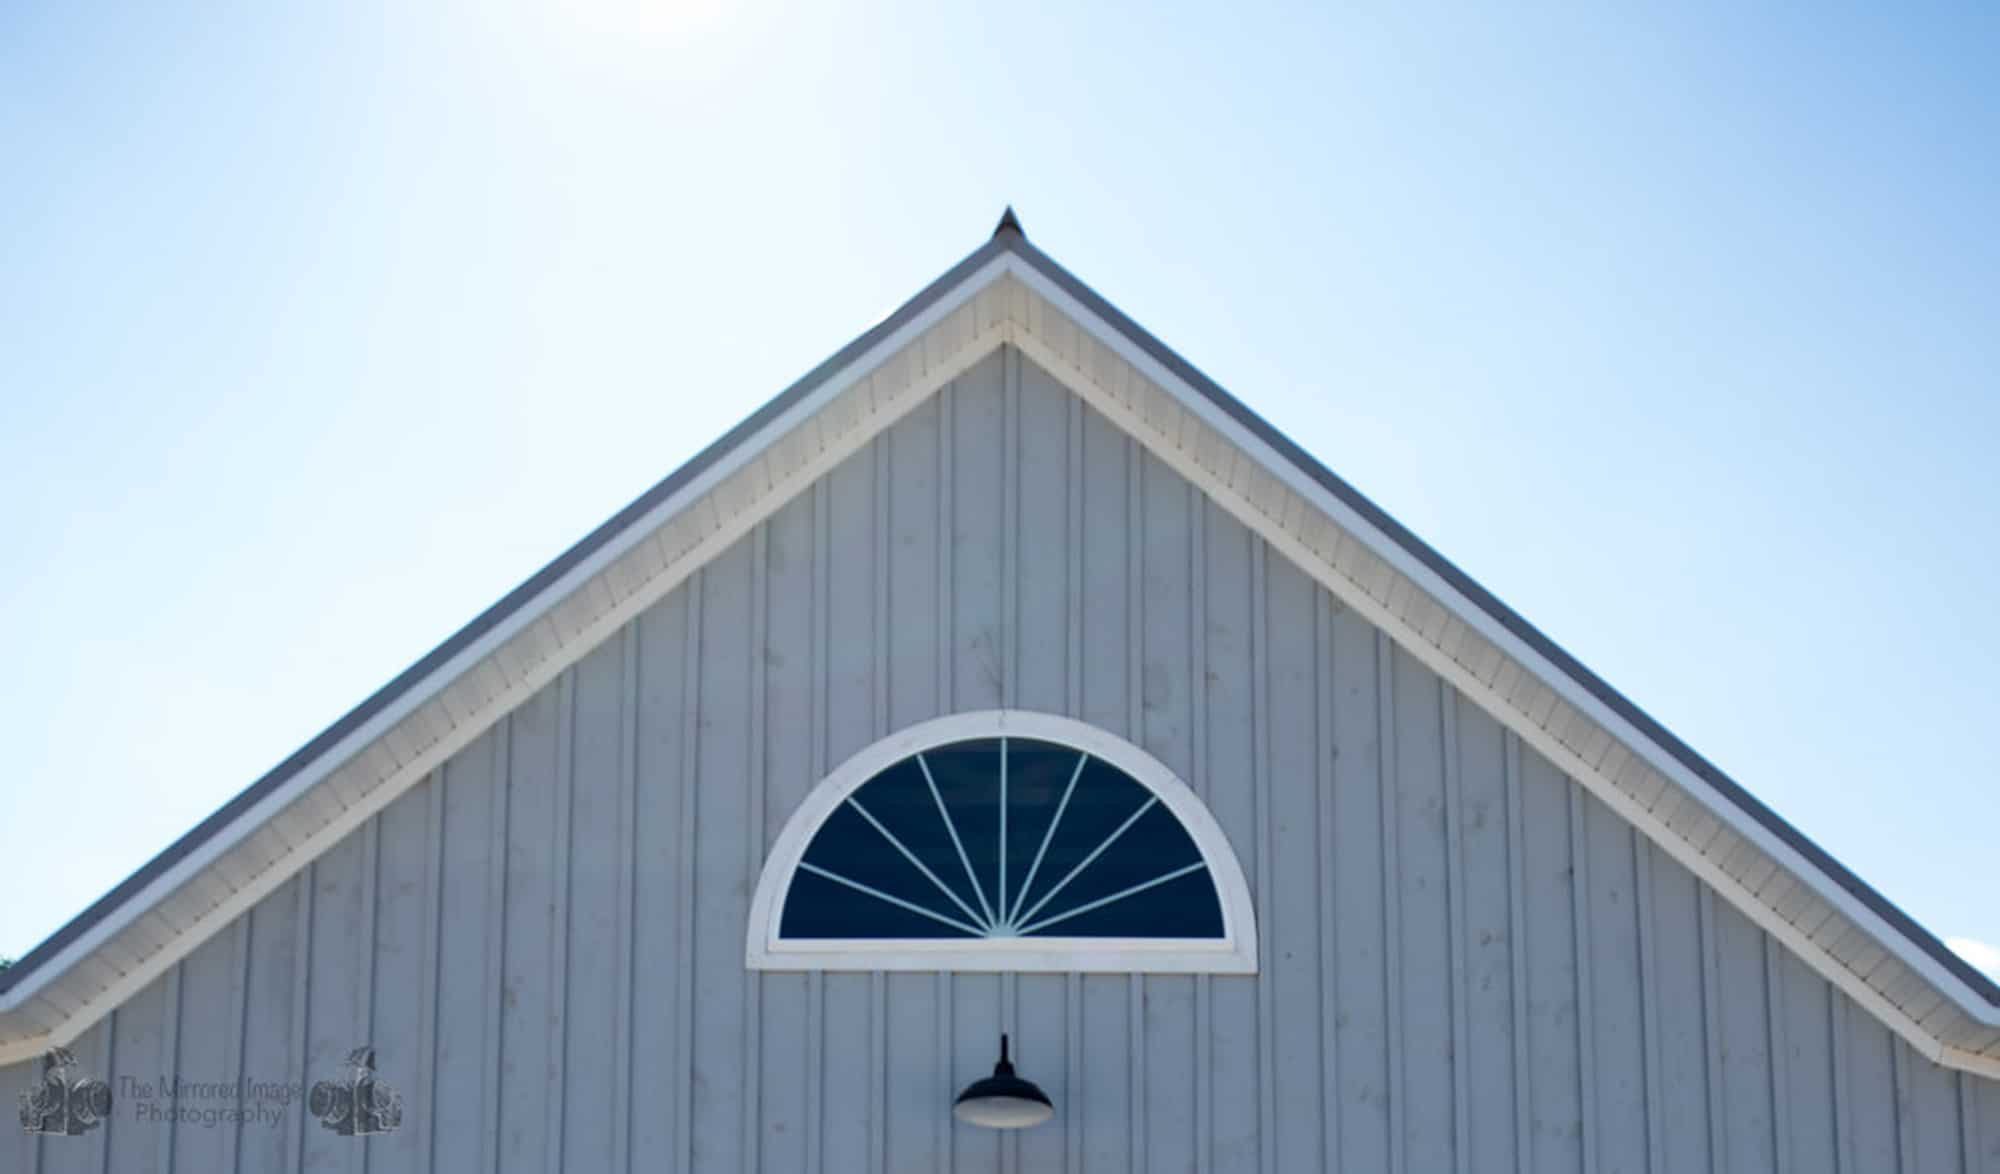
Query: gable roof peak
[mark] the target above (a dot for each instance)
(1007, 293)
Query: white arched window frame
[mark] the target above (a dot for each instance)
(1234, 953)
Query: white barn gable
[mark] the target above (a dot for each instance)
(1484, 914)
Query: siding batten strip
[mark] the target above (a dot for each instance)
(1454, 833)
(1517, 954)
(753, 832)
(816, 753)
(948, 1060)
(1135, 729)
(885, 587)
(878, 1072)
(1843, 1122)
(559, 837)
(1073, 563)
(371, 916)
(625, 957)
(1968, 1121)
(1204, 988)
(683, 1094)
(1392, 877)
(1260, 782)
(947, 539)
(1906, 1136)
(946, 633)
(170, 1056)
(427, 985)
(1586, 988)
(1653, 1099)
(1780, 1073)
(496, 946)
(1711, 1017)
(302, 1005)
(1135, 1059)
(878, 1001)
(1073, 1073)
(1073, 697)
(1325, 891)
(239, 1008)
(371, 921)
(108, 1064)
(1010, 1024)
(815, 1068)
(1135, 598)
(1010, 542)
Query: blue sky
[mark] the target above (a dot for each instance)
(322, 326)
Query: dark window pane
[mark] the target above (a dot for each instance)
(1037, 774)
(849, 847)
(819, 908)
(1105, 797)
(968, 776)
(1153, 846)
(1073, 898)
(1186, 907)
(899, 798)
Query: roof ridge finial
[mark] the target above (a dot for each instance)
(1009, 223)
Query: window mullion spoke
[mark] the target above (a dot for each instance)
(1021, 898)
(879, 895)
(911, 857)
(957, 843)
(1095, 853)
(1101, 902)
(1000, 895)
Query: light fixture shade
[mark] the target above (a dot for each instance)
(1003, 1100)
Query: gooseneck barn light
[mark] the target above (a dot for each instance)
(1003, 1100)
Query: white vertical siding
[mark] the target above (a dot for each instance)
(1470, 965)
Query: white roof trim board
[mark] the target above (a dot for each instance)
(1006, 293)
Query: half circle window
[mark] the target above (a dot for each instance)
(1002, 840)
